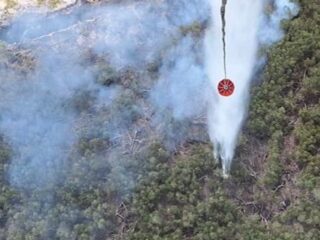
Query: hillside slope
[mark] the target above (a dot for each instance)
(158, 179)
(273, 191)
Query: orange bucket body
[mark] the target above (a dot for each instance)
(225, 87)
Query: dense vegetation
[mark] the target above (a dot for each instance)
(273, 192)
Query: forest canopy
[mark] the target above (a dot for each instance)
(151, 190)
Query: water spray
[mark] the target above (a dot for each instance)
(247, 28)
(234, 58)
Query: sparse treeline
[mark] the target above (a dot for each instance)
(150, 191)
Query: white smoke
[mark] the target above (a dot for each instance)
(35, 116)
(182, 82)
(39, 112)
(132, 35)
(38, 121)
(271, 31)
(247, 27)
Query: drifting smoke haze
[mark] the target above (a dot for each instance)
(57, 105)
(182, 81)
(271, 31)
(44, 118)
(246, 29)
(39, 124)
(37, 117)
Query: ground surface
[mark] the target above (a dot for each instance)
(273, 192)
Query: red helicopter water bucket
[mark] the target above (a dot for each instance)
(225, 87)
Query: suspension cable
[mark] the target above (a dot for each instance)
(223, 12)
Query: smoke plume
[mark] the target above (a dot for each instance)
(97, 85)
(89, 90)
(38, 122)
(35, 114)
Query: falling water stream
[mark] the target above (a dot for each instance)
(226, 114)
(245, 26)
